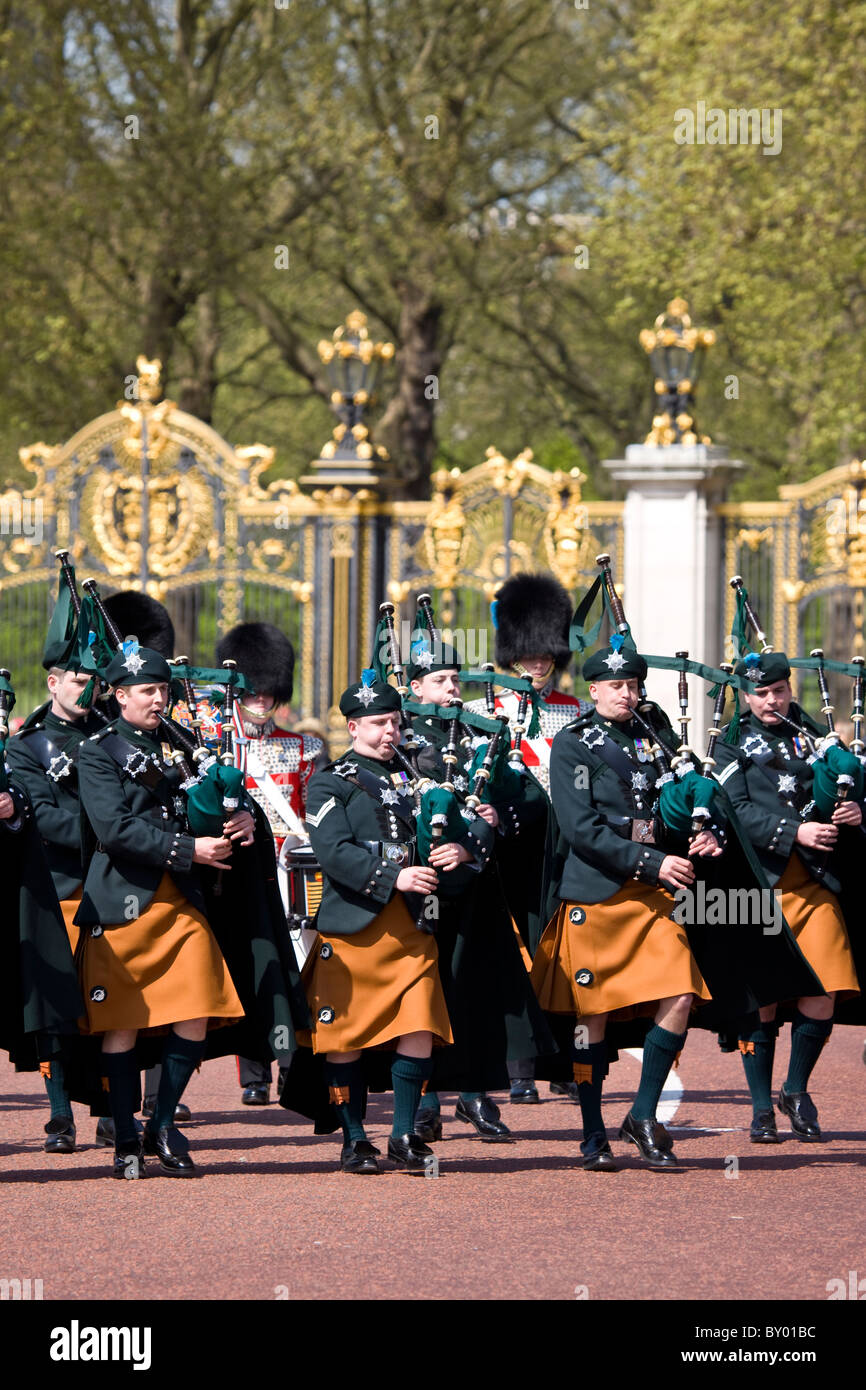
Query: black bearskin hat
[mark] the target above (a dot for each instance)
(532, 615)
(138, 615)
(264, 655)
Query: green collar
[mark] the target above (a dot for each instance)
(135, 735)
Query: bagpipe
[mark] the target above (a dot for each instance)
(442, 808)
(838, 772)
(684, 788)
(212, 784)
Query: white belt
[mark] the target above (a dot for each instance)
(266, 784)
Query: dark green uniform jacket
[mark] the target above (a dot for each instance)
(39, 994)
(597, 807)
(350, 832)
(139, 831)
(43, 758)
(768, 779)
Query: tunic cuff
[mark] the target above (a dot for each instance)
(382, 881)
(180, 852)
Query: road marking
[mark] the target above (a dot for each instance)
(672, 1091)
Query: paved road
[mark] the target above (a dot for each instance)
(271, 1216)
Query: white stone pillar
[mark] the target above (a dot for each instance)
(672, 581)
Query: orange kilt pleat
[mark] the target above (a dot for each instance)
(69, 907)
(635, 953)
(378, 984)
(815, 917)
(162, 968)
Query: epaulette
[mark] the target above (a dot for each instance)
(581, 719)
(100, 733)
(31, 729)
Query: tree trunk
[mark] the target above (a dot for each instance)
(408, 426)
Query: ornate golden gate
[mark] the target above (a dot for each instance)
(803, 558)
(146, 496)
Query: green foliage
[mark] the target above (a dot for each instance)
(497, 186)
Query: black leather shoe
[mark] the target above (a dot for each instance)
(61, 1136)
(410, 1153)
(524, 1093)
(256, 1095)
(565, 1088)
(484, 1115)
(359, 1157)
(129, 1161)
(653, 1140)
(800, 1109)
(181, 1111)
(428, 1124)
(597, 1156)
(172, 1150)
(763, 1130)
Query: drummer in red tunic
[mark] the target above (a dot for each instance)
(278, 763)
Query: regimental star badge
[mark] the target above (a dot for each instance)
(423, 657)
(592, 736)
(133, 663)
(365, 695)
(787, 783)
(389, 797)
(615, 661)
(346, 769)
(59, 767)
(754, 746)
(135, 763)
(639, 781)
(755, 674)
(460, 783)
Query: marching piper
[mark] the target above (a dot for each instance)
(373, 980)
(770, 778)
(150, 960)
(613, 949)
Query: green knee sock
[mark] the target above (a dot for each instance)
(758, 1064)
(593, 1056)
(179, 1061)
(57, 1096)
(348, 1093)
(659, 1050)
(124, 1092)
(408, 1075)
(471, 1095)
(808, 1036)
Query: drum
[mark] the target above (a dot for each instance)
(300, 879)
